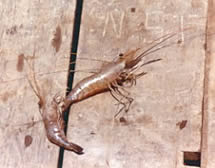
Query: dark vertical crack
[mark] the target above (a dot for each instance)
(74, 49)
(204, 128)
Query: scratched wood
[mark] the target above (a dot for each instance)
(208, 145)
(165, 118)
(27, 26)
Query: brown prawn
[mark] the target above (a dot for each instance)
(114, 75)
(51, 113)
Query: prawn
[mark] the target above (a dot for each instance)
(113, 77)
(50, 110)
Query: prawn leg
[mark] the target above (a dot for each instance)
(120, 90)
(120, 103)
(126, 104)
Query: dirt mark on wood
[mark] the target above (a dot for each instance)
(57, 40)
(182, 124)
(20, 63)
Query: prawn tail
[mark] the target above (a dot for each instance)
(54, 126)
(56, 135)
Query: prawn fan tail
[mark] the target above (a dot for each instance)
(57, 136)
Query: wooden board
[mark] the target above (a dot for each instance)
(27, 26)
(166, 117)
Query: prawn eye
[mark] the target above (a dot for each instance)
(121, 54)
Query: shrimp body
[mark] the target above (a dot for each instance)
(94, 84)
(103, 80)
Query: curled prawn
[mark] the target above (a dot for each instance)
(51, 113)
(54, 126)
(112, 77)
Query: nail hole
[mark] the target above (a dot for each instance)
(28, 140)
(133, 10)
(192, 159)
(121, 54)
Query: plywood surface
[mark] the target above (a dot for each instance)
(165, 118)
(27, 26)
